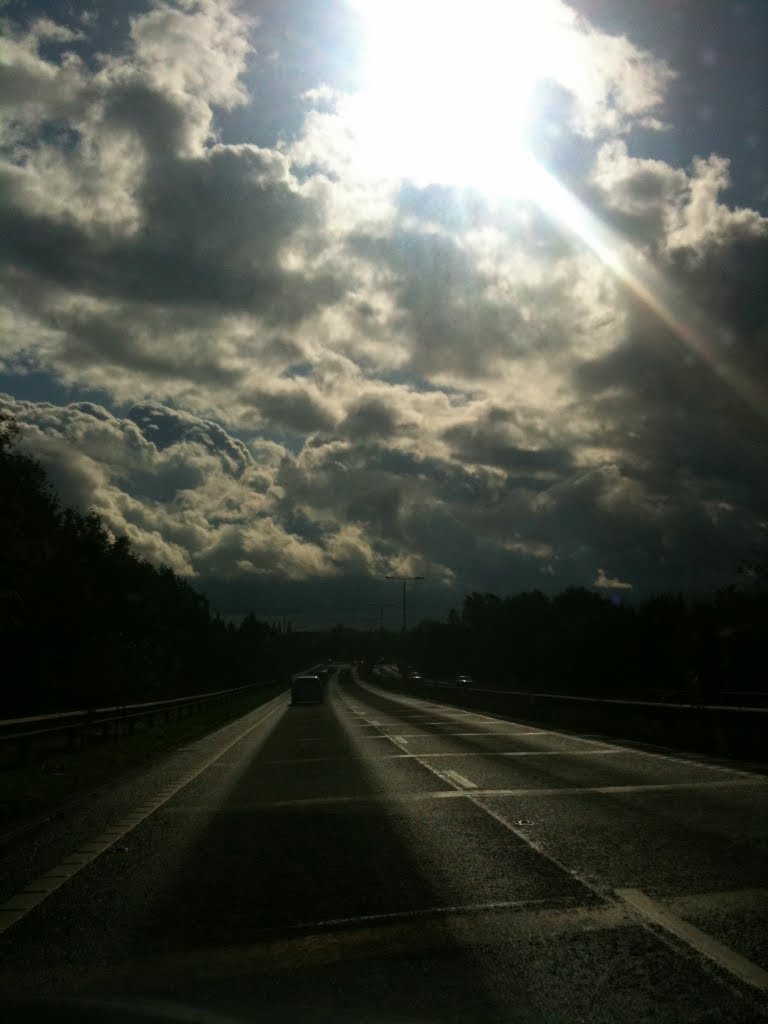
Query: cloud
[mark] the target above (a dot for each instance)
(198, 51)
(491, 441)
(263, 547)
(43, 29)
(371, 417)
(189, 494)
(170, 481)
(167, 427)
(147, 259)
(605, 583)
(210, 233)
(294, 407)
(31, 85)
(670, 209)
(684, 399)
(626, 86)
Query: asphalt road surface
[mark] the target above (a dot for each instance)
(385, 859)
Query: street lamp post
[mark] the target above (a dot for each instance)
(381, 607)
(285, 614)
(405, 580)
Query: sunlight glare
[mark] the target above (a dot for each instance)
(447, 97)
(448, 87)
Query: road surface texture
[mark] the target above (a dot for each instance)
(381, 858)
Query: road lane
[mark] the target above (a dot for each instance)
(317, 869)
(681, 826)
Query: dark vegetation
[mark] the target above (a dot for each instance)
(580, 642)
(85, 621)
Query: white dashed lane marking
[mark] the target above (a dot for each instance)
(459, 780)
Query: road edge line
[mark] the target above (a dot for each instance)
(19, 905)
(725, 957)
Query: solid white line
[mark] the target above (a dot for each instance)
(722, 955)
(453, 776)
(485, 735)
(521, 753)
(650, 787)
(400, 739)
(564, 904)
(18, 906)
(363, 801)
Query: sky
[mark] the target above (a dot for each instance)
(300, 294)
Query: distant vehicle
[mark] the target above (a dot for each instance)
(463, 680)
(414, 676)
(307, 690)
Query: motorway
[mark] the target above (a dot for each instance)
(381, 858)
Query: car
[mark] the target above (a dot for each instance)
(415, 676)
(463, 680)
(307, 690)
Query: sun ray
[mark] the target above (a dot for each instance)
(446, 97)
(686, 320)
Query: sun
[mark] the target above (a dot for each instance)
(448, 85)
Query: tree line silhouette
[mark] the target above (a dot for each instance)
(581, 642)
(86, 621)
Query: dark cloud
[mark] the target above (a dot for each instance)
(156, 119)
(295, 410)
(486, 444)
(687, 405)
(212, 235)
(371, 418)
(440, 293)
(728, 280)
(112, 339)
